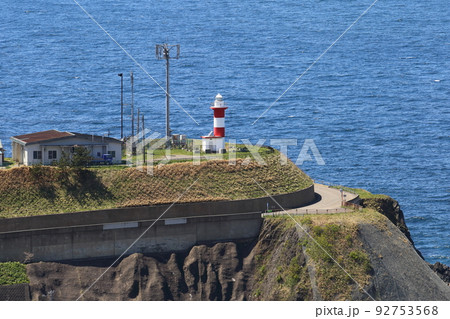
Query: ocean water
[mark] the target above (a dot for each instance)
(376, 103)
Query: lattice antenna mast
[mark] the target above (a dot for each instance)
(163, 52)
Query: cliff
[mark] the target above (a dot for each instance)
(391, 209)
(283, 263)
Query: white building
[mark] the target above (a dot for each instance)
(47, 147)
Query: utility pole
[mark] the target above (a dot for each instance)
(143, 137)
(132, 103)
(121, 105)
(163, 53)
(143, 124)
(138, 122)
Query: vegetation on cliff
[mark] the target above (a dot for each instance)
(302, 270)
(42, 190)
(13, 273)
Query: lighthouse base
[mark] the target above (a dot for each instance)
(212, 144)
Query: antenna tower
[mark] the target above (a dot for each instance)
(163, 52)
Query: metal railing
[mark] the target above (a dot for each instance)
(300, 211)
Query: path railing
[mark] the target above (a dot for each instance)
(348, 206)
(334, 185)
(312, 211)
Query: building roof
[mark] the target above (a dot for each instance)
(96, 138)
(50, 135)
(41, 136)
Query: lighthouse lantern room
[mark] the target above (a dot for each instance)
(214, 142)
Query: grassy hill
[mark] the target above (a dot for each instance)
(27, 191)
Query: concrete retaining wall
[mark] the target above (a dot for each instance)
(108, 233)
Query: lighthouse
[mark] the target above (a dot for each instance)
(214, 142)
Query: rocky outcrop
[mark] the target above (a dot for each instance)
(391, 209)
(273, 267)
(399, 272)
(217, 272)
(443, 271)
(222, 271)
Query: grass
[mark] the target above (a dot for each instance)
(28, 191)
(232, 152)
(363, 194)
(7, 163)
(12, 273)
(338, 235)
(340, 241)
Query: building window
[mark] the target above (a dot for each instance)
(51, 154)
(112, 153)
(37, 155)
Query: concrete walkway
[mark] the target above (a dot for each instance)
(330, 203)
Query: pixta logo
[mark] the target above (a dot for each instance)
(148, 149)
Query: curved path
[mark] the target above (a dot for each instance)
(330, 202)
(330, 197)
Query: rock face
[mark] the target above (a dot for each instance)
(399, 272)
(223, 271)
(242, 271)
(275, 266)
(218, 272)
(443, 271)
(391, 209)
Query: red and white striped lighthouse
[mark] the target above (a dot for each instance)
(215, 141)
(219, 116)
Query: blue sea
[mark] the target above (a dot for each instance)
(376, 103)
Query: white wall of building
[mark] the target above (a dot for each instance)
(24, 154)
(213, 144)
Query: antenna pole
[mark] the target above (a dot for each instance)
(168, 132)
(121, 105)
(132, 103)
(138, 121)
(163, 53)
(143, 137)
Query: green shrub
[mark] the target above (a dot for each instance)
(262, 270)
(306, 221)
(361, 258)
(279, 279)
(80, 157)
(37, 171)
(332, 229)
(13, 273)
(317, 230)
(357, 256)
